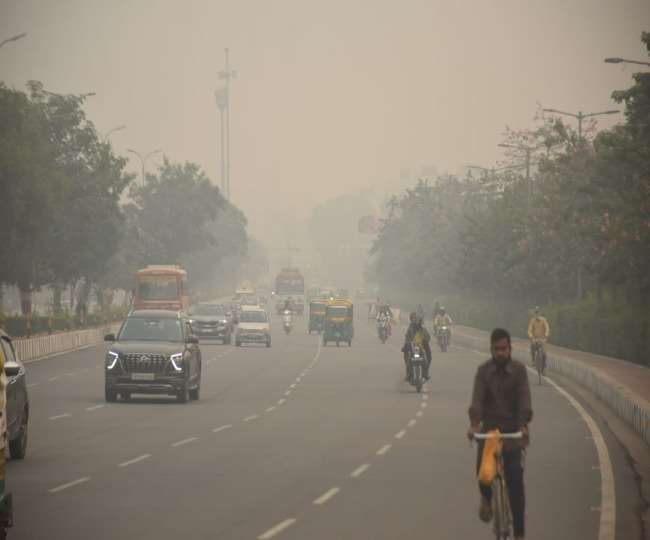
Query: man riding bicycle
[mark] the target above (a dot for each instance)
(501, 400)
(538, 332)
(419, 335)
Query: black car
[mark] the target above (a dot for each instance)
(155, 352)
(17, 399)
(212, 320)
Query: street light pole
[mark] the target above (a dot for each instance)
(143, 159)
(624, 61)
(107, 135)
(13, 38)
(220, 96)
(580, 117)
(528, 150)
(227, 75)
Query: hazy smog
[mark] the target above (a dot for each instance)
(325, 227)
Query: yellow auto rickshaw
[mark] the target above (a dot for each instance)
(339, 316)
(317, 315)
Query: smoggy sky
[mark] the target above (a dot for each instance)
(331, 97)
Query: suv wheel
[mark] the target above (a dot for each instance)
(110, 394)
(183, 395)
(195, 393)
(18, 446)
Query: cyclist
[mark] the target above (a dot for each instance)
(416, 333)
(501, 400)
(538, 332)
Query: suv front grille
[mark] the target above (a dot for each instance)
(144, 363)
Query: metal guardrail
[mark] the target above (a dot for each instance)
(30, 349)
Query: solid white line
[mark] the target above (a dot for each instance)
(327, 496)
(184, 441)
(281, 401)
(64, 415)
(419, 414)
(383, 449)
(412, 423)
(69, 484)
(400, 434)
(251, 417)
(270, 409)
(221, 428)
(277, 529)
(134, 460)
(360, 470)
(95, 407)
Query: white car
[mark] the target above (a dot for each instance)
(254, 326)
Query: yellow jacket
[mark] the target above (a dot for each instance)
(538, 328)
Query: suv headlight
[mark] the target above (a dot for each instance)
(111, 359)
(177, 361)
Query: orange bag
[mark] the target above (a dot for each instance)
(491, 450)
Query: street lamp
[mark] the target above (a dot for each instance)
(143, 159)
(107, 135)
(580, 116)
(14, 38)
(624, 61)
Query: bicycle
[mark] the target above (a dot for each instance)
(502, 517)
(539, 358)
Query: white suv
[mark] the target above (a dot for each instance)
(254, 326)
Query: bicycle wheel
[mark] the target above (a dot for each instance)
(497, 504)
(539, 359)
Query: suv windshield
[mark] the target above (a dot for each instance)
(149, 329)
(208, 309)
(253, 316)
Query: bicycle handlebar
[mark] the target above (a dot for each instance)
(484, 436)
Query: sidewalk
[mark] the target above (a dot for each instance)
(623, 386)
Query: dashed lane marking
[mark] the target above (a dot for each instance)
(270, 409)
(423, 405)
(53, 378)
(184, 441)
(327, 496)
(32, 385)
(273, 531)
(287, 393)
(59, 416)
(412, 423)
(281, 401)
(95, 407)
(419, 414)
(251, 417)
(135, 460)
(384, 449)
(221, 428)
(360, 470)
(400, 434)
(70, 484)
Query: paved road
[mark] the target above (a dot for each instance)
(292, 442)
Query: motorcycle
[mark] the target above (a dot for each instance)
(383, 329)
(417, 362)
(444, 336)
(287, 323)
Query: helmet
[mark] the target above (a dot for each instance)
(419, 320)
(413, 317)
(443, 310)
(536, 310)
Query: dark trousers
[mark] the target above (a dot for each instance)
(514, 472)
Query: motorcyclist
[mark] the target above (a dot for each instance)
(383, 318)
(442, 319)
(538, 333)
(416, 333)
(287, 319)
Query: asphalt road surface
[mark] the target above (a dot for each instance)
(292, 442)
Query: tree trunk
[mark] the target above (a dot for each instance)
(25, 300)
(57, 291)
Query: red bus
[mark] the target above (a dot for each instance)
(161, 286)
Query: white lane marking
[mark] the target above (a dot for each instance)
(69, 484)
(360, 470)
(270, 409)
(251, 417)
(95, 407)
(384, 449)
(56, 417)
(293, 385)
(419, 414)
(287, 393)
(281, 401)
(135, 460)
(400, 434)
(327, 496)
(425, 397)
(184, 441)
(423, 405)
(412, 423)
(607, 526)
(32, 385)
(84, 370)
(277, 529)
(298, 379)
(53, 378)
(221, 428)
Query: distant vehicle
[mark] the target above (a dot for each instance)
(290, 283)
(161, 287)
(155, 352)
(17, 399)
(254, 326)
(211, 320)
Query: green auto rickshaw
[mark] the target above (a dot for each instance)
(317, 315)
(339, 316)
